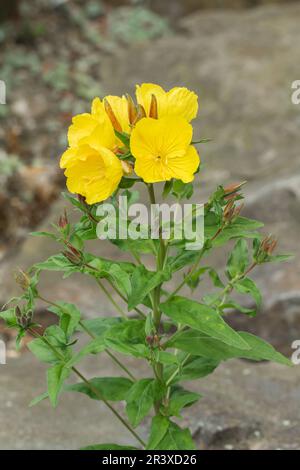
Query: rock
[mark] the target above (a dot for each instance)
(247, 411)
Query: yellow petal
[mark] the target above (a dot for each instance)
(82, 126)
(158, 144)
(95, 175)
(183, 168)
(68, 157)
(179, 101)
(144, 94)
(182, 102)
(92, 129)
(97, 107)
(119, 106)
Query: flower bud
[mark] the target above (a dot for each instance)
(73, 255)
(153, 107)
(22, 279)
(132, 110)
(141, 113)
(109, 111)
(232, 190)
(268, 244)
(63, 221)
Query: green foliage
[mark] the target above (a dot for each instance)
(108, 388)
(180, 339)
(140, 399)
(202, 318)
(197, 343)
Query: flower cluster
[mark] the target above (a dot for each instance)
(151, 137)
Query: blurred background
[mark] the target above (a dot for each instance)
(240, 57)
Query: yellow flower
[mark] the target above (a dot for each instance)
(93, 173)
(162, 149)
(179, 101)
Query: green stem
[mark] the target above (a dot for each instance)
(108, 295)
(230, 286)
(110, 354)
(116, 290)
(194, 267)
(160, 263)
(91, 334)
(91, 387)
(172, 377)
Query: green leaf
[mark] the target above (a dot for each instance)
(44, 234)
(69, 316)
(159, 428)
(233, 305)
(128, 338)
(182, 190)
(99, 326)
(179, 399)
(143, 282)
(247, 286)
(108, 447)
(9, 317)
(197, 343)
(140, 400)
(165, 358)
(38, 399)
(279, 258)
(109, 388)
(42, 351)
(202, 318)
(215, 278)
(120, 279)
(238, 259)
(241, 228)
(195, 368)
(167, 188)
(57, 263)
(176, 439)
(184, 258)
(123, 136)
(56, 376)
(126, 183)
(95, 346)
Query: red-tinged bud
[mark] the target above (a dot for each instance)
(228, 211)
(81, 198)
(18, 313)
(63, 221)
(109, 111)
(268, 244)
(74, 256)
(149, 340)
(132, 110)
(237, 211)
(232, 190)
(153, 107)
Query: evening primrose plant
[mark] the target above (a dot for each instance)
(120, 145)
